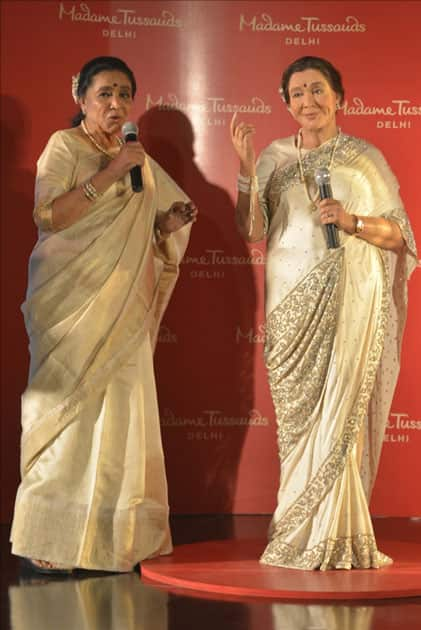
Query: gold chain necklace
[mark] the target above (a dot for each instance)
(95, 143)
(313, 205)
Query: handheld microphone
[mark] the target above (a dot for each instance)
(322, 179)
(130, 131)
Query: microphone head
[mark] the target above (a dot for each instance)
(129, 128)
(322, 176)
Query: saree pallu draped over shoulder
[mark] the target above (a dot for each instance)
(93, 491)
(333, 335)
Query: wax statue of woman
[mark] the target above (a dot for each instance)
(334, 318)
(93, 493)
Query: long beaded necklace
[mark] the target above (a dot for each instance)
(313, 205)
(95, 143)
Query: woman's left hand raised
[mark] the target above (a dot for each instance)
(177, 216)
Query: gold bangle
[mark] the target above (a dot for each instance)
(90, 192)
(248, 185)
(359, 225)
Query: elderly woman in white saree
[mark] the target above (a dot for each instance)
(334, 319)
(93, 493)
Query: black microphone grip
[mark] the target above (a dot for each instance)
(325, 192)
(332, 236)
(135, 172)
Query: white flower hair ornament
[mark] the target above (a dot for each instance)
(75, 87)
(281, 92)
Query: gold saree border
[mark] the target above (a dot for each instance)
(399, 216)
(301, 330)
(358, 551)
(284, 177)
(332, 467)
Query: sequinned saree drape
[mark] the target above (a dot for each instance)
(93, 491)
(333, 334)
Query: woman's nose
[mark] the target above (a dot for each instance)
(308, 97)
(115, 101)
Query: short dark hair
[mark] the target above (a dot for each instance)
(330, 73)
(94, 67)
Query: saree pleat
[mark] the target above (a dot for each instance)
(93, 491)
(331, 315)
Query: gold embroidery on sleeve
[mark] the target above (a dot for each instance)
(43, 217)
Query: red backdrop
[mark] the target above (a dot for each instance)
(195, 63)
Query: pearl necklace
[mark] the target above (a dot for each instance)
(313, 205)
(95, 143)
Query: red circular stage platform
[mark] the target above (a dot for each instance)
(231, 568)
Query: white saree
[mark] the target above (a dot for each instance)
(333, 334)
(93, 491)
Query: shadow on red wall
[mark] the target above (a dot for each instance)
(18, 236)
(211, 301)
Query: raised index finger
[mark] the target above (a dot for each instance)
(232, 124)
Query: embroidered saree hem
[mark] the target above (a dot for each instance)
(353, 552)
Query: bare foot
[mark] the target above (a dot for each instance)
(44, 566)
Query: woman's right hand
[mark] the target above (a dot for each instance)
(131, 154)
(242, 140)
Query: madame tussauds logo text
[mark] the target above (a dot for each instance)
(311, 24)
(210, 265)
(165, 335)
(122, 17)
(387, 115)
(212, 418)
(398, 107)
(401, 428)
(250, 335)
(211, 105)
(402, 421)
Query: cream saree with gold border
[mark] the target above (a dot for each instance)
(333, 334)
(93, 491)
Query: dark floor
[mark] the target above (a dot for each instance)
(122, 602)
